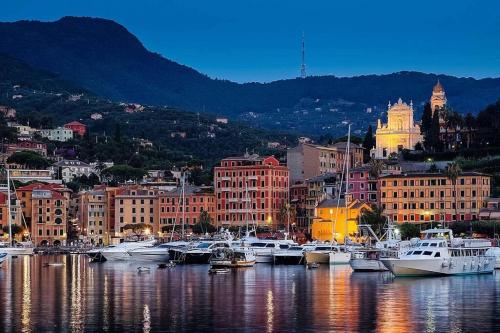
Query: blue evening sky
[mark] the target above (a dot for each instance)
(259, 40)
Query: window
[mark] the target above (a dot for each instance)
(427, 253)
(438, 254)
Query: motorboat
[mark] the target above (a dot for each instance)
(20, 249)
(160, 253)
(118, 252)
(265, 248)
(328, 254)
(366, 260)
(201, 253)
(495, 251)
(232, 257)
(438, 253)
(3, 257)
(291, 256)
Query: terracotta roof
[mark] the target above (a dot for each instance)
(42, 186)
(75, 123)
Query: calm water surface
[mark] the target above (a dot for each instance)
(93, 297)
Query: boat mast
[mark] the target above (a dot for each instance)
(348, 157)
(183, 194)
(9, 207)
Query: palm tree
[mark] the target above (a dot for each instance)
(452, 172)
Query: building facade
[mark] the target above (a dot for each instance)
(135, 205)
(37, 147)
(250, 189)
(67, 169)
(438, 98)
(400, 132)
(309, 160)
(198, 200)
(57, 134)
(92, 216)
(77, 127)
(430, 197)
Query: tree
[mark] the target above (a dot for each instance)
(375, 219)
(368, 143)
(118, 133)
(426, 120)
(470, 123)
(138, 229)
(204, 224)
(16, 229)
(29, 160)
(376, 167)
(432, 140)
(122, 173)
(419, 146)
(452, 172)
(408, 231)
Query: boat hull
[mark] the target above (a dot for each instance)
(433, 267)
(288, 260)
(367, 265)
(149, 256)
(318, 257)
(265, 258)
(197, 258)
(95, 256)
(3, 257)
(116, 255)
(339, 258)
(18, 251)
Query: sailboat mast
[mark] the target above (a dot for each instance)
(9, 207)
(183, 179)
(348, 157)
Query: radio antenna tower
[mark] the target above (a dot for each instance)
(303, 73)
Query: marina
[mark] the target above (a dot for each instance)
(115, 296)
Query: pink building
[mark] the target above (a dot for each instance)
(362, 186)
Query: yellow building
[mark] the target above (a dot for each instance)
(399, 133)
(330, 219)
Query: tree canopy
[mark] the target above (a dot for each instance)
(29, 159)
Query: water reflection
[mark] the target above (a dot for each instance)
(86, 297)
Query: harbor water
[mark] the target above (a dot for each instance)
(91, 297)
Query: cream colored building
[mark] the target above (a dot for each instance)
(438, 98)
(400, 132)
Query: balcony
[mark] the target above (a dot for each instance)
(225, 178)
(254, 189)
(233, 199)
(225, 189)
(252, 177)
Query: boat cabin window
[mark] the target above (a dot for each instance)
(427, 253)
(425, 244)
(284, 246)
(258, 244)
(323, 248)
(437, 254)
(295, 248)
(203, 245)
(270, 245)
(434, 244)
(417, 252)
(409, 253)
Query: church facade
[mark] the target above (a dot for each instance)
(438, 98)
(400, 132)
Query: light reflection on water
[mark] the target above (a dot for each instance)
(83, 297)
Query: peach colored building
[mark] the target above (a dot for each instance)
(198, 199)
(16, 217)
(134, 205)
(250, 188)
(426, 197)
(309, 160)
(92, 216)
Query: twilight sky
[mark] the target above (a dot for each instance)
(259, 40)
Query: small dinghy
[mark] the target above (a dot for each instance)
(53, 264)
(219, 271)
(143, 269)
(312, 265)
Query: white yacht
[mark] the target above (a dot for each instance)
(328, 254)
(3, 257)
(22, 249)
(438, 253)
(119, 251)
(265, 248)
(495, 251)
(160, 253)
(291, 256)
(232, 257)
(201, 253)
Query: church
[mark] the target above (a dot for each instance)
(401, 131)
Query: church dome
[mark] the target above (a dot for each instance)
(438, 88)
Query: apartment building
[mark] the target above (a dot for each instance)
(134, 205)
(308, 160)
(426, 197)
(198, 199)
(250, 188)
(93, 214)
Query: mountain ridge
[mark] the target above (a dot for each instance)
(104, 57)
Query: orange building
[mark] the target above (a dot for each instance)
(16, 217)
(198, 199)
(427, 197)
(45, 208)
(77, 127)
(265, 181)
(134, 205)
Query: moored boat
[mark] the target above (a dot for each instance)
(367, 260)
(438, 253)
(232, 257)
(3, 257)
(328, 254)
(292, 256)
(495, 251)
